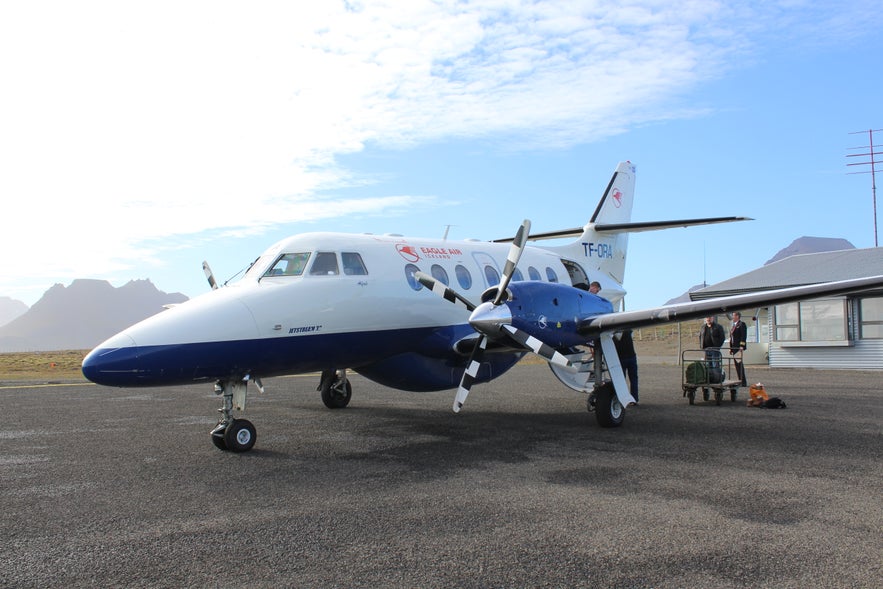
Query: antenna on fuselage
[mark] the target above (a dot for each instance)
(447, 228)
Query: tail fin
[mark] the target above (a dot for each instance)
(603, 244)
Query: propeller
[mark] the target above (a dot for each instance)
(209, 275)
(492, 317)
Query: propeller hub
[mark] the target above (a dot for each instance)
(488, 318)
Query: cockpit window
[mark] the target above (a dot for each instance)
(325, 264)
(352, 264)
(289, 265)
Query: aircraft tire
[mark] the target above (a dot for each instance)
(333, 397)
(240, 436)
(609, 412)
(218, 441)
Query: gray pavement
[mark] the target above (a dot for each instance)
(111, 487)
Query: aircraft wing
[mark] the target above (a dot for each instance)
(594, 326)
(628, 228)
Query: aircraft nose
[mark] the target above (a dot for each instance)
(108, 365)
(488, 318)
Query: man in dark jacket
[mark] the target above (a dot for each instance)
(711, 334)
(738, 335)
(711, 338)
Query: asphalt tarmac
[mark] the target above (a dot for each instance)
(123, 487)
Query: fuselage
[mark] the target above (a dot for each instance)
(322, 301)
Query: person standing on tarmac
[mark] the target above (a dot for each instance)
(711, 334)
(711, 337)
(625, 349)
(738, 335)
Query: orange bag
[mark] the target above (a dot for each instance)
(757, 394)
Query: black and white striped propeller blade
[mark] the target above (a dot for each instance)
(545, 351)
(439, 288)
(512, 258)
(471, 372)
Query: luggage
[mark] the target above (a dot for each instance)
(715, 367)
(695, 373)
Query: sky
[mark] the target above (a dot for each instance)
(138, 139)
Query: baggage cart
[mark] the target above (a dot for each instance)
(710, 371)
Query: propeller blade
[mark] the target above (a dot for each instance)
(209, 275)
(515, 251)
(470, 373)
(542, 350)
(445, 292)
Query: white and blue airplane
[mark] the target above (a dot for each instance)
(332, 302)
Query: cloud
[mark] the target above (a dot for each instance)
(127, 123)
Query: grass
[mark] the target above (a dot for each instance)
(61, 365)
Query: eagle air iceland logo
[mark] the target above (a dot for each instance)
(617, 197)
(409, 252)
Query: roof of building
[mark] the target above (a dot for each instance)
(800, 270)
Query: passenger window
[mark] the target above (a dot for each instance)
(325, 264)
(463, 277)
(517, 276)
(492, 276)
(440, 274)
(289, 265)
(352, 264)
(533, 273)
(551, 274)
(410, 270)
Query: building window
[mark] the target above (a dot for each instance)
(871, 312)
(812, 321)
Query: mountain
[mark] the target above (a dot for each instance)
(11, 309)
(811, 245)
(82, 315)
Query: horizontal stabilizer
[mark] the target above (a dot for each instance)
(629, 227)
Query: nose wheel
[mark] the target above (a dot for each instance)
(238, 436)
(233, 435)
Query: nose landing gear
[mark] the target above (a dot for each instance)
(234, 435)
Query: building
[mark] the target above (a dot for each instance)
(837, 332)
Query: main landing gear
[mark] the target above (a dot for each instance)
(335, 388)
(609, 412)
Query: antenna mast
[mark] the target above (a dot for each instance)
(873, 171)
